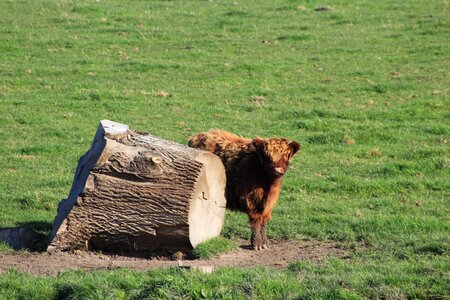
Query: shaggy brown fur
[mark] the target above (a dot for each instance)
(254, 169)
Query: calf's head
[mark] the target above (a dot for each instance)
(275, 154)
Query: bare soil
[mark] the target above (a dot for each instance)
(279, 255)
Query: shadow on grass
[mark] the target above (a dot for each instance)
(31, 236)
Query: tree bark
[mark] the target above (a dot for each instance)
(136, 192)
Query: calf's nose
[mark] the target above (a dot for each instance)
(279, 170)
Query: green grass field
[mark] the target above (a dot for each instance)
(363, 86)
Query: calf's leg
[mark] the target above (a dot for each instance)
(264, 242)
(256, 234)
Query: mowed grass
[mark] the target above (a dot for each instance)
(362, 85)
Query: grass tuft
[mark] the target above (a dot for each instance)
(4, 247)
(213, 247)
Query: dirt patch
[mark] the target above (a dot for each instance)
(279, 255)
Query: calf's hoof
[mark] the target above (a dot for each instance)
(260, 247)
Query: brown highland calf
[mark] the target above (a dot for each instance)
(254, 169)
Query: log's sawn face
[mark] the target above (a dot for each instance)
(254, 169)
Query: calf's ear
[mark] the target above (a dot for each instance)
(294, 146)
(260, 147)
(260, 144)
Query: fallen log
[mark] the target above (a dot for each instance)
(135, 192)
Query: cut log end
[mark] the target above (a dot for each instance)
(206, 215)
